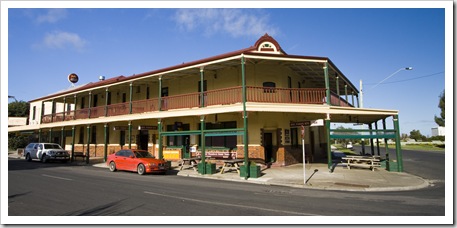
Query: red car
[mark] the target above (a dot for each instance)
(139, 161)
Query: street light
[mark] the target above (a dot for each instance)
(12, 98)
(361, 90)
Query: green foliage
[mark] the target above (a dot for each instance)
(18, 109)
(17, 141)
(416, 135)
(441, 120)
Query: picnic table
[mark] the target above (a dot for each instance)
(370, 162)
(189, 163)
(232, 164)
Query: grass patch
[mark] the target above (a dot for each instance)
(423, 147)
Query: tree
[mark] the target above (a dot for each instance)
(416, 135)
(18, 109)
(440, 120)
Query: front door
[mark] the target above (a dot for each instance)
(268, 146)
(143, 138)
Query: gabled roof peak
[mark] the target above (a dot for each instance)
(268, 44)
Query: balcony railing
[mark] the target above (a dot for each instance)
(224, 96)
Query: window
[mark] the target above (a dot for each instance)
(220, 141)
(83, 100)
(81, 135)
(147, 92)
(93, 139)
(124, 97)
(34, 113)
(95, 102)
(269, 87)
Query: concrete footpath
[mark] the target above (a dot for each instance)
(317, 176)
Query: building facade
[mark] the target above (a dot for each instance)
(256, 103)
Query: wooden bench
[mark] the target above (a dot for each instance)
(79, 154)
(362, 162)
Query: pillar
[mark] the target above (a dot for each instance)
(105, 152)
(338, 89)
(72, 142)
(131, 99)
(327, 83)
(329, 146)
(159, 128)
(245, 119)
(106, 101)
(203, 146)
(160, 97)
(88, 143)
(397, 144)
(130, 134)
(201, 88)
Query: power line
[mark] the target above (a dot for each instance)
(404, 80)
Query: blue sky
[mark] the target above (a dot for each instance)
(45, 45)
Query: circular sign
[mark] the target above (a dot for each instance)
(73, 78)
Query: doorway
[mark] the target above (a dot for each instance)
(143, 139)
(268, 146)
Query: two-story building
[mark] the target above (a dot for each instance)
(254, 103)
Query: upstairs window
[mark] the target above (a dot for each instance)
(269, 87)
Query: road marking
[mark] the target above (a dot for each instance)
(61, 178)
(229, 204)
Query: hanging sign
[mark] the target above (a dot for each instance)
(147, 127)
(301, 123)
(120, 128)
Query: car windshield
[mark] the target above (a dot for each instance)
(143, 154)
(52, 146)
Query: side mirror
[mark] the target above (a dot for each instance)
(131, 156)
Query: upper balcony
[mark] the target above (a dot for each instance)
(225, 96)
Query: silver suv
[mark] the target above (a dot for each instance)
(46, 152)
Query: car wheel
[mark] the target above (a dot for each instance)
(28, 158)
(141, 169)
(44, 158)
(112, 166)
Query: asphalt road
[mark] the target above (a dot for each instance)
(54, 189)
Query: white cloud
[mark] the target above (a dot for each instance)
(62, 40)
(235, 22)
(52, 16)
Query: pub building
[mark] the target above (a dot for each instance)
(255, 104)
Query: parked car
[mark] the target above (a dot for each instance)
(139, 161)
(46, 152)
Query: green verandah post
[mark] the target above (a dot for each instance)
(72, 142)
(203, 148)
(105, 152)
(159, 128)
(88, 144)
(329, 146)
(245, 119)
(397, 144)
